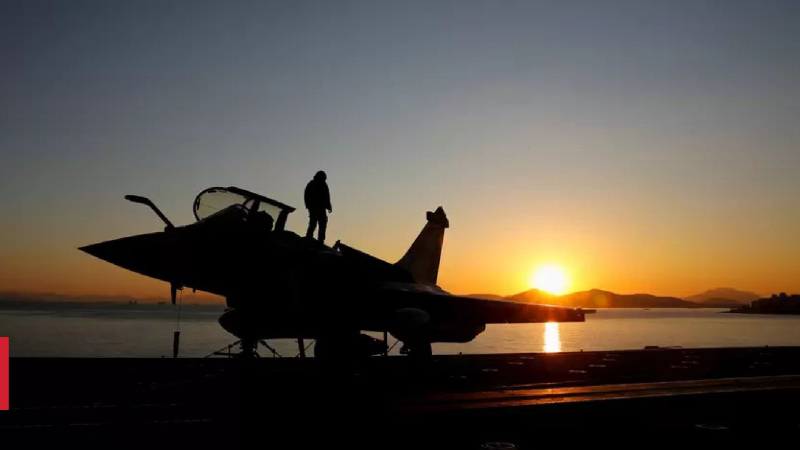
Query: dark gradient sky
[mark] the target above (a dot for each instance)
(644, 146)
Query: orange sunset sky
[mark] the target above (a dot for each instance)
(658, 158)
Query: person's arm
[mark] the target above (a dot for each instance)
(327, 194)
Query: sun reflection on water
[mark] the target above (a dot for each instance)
(552, 340)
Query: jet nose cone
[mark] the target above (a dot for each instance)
(146, 254)
(101, 250)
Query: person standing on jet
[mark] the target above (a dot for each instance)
(318, 200)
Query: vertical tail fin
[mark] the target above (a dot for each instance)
(422, 258)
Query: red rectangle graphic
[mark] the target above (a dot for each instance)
(3, 373)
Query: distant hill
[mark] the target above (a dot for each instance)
(719, 303)
(724, 295)
(529, 296)
(712, 298)
(535, 296)
(487, 296)
(605, 299)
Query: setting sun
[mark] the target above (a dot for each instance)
(550, 278)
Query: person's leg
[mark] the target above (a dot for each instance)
(312, 224)
(323, 225)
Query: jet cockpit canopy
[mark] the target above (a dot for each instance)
(213, 201)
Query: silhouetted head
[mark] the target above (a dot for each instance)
(320, 176)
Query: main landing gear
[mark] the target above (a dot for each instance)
(248, 349)
(340, 347)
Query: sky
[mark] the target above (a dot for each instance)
(642, 146)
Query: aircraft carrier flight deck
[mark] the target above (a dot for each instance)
(457, 401)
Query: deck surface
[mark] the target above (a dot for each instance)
(394, 402)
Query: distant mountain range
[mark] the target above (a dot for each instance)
(724, 295)
(595, 298)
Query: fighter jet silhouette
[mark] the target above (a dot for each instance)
(279, 285)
